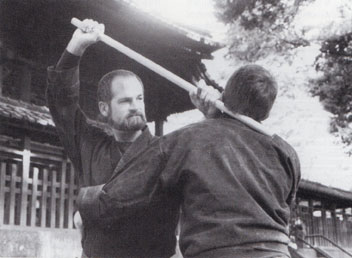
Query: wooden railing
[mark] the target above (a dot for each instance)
(334, 223)
(37, 187)
(331, 242)
(319, 251)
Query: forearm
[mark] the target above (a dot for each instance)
(135, 187)
(88, 202)
(67, 61)
(97, 206)
(62, 99)
(62, 93)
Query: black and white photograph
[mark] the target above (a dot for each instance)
(175, 128)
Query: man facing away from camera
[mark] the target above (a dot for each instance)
(235, 185)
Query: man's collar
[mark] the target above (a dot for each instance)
(136, 147)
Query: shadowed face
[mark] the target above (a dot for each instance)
(126, 110)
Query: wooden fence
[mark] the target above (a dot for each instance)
(321, 218)
(37, 185)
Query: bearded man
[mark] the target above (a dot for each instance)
(96, 155)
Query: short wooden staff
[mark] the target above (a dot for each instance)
(172, 77)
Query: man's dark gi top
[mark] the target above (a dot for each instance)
(95, 156)
(236, 186)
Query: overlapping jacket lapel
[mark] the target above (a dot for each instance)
(137, 147)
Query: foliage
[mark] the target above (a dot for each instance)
(251, 13)
(265, 28)
(335, 87)
(259, 27)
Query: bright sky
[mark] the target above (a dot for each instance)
(197, 13)
(325, 18)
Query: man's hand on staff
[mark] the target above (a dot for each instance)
(204, 97)
(85, 36)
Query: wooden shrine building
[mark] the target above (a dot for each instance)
(326, 213)
(37, 185)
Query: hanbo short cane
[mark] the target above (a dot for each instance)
(171, 77)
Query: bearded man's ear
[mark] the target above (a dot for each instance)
(103, 108)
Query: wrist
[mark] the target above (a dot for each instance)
(75, 48)
(213, 114)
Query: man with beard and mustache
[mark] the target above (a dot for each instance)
(96, 156)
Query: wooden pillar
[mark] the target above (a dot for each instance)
(13, 194)
(62, 193)
(53, 199)
(323, 218)
(2, 191)
(25, 179)
(1, 77)
(34, 197)
(71, 197)
(311, 218)
(159, 127)
(334, 219)
(344, 227)
(349, 229)
(339, 225)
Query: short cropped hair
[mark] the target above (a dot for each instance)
(251, 91)
(104, 86)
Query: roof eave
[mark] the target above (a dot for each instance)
(325, 192)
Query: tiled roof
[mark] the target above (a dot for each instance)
(24, 111)
(204, 37)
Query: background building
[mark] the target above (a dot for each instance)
(37, 183)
